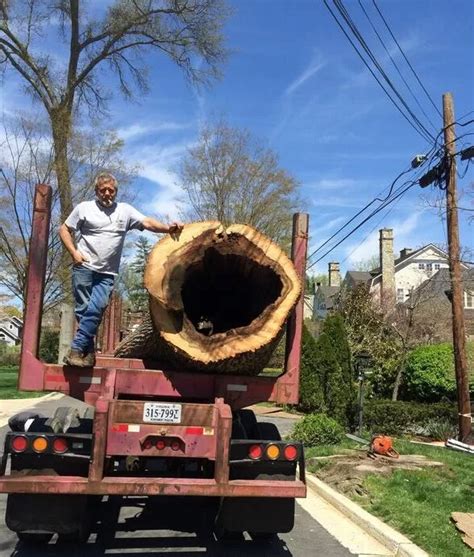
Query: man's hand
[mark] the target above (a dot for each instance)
(175, 228)
(78, 258)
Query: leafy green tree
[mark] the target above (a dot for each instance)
(132, 276)
(311, 391)
(331, 378)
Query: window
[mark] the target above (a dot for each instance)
(429, 267)
(400, 295)
(468, 299)
(421, 265)
(437, 266)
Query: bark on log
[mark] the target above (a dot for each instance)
(219, 300)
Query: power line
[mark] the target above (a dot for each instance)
(395, 64)
(406, 59)
(353, 27)
(426, 138)
(362, 223)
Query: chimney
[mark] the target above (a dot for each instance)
(334, 275)
(405, 252)
(387, 266)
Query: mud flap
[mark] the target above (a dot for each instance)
(63, 514)
(269, 515)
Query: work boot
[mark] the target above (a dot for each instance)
(89, 359)
(74, 358)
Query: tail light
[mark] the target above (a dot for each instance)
(160, 444)
(272, 452)
(19, 443)
(60, 445)
(290, 452)
(175, 446)
(40, 444)
(255, 452)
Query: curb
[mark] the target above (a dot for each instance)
(386, 535)
(28, 403)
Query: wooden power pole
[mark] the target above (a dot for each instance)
(459, 336)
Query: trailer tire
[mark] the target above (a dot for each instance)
(268, 431)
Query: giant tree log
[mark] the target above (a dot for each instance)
(219, 300)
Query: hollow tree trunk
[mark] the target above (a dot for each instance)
(219, 300)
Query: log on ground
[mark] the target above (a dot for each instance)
(219, 300)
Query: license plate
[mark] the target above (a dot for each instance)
(161, 413)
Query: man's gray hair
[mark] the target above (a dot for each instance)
(104, 178)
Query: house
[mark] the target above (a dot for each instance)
(10, 330)
(437, 291)
(392, 281)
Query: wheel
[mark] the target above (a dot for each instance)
(263, 536)
(268, 431)
(249, 422)
(34, 537)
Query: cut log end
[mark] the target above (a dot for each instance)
(219, 298)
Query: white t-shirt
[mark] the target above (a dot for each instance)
(100, 232)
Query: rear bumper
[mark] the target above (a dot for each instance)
(151, 486)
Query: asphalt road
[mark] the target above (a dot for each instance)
(171, 525)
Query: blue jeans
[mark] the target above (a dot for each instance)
(92, 292)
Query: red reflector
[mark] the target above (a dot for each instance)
(120, 427)
(175, 446)
(194, 430)
(147, 444)
(290, 452)
(255, 452)
(19, 444)
(160, 444)
(60, 445)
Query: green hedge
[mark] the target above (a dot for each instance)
(318, 429)
(399, 418)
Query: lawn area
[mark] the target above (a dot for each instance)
(8, 385)
(418, 503)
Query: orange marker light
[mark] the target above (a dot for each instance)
(40, 444)
(273, 452)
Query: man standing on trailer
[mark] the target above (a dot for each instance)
(94, 235)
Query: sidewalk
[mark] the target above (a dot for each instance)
(11, 406)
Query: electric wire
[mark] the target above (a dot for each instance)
(353, 27)
(415, 98)
(405, 57)
(426, 138)
(376, 211)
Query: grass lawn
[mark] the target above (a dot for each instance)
(419, 503)
(8, 385)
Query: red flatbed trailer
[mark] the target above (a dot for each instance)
(196, 424)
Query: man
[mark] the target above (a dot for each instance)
(99, 228)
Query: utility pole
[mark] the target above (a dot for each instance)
(459, 337)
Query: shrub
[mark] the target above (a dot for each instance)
(429, 374)
(398, 417)
(9, 355)
(318, 429)
(49, 346)
(311, 393)
(440, 430)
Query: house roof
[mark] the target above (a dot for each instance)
(440, 282)
(8, 333)
(412, 255)
(326, 293)
(359, 276)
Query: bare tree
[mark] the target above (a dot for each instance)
(230, 177)
(187, 31)
(27, 158)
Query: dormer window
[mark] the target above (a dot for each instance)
(429, 267)
(421, 266)
(468, 299)
(437, 266)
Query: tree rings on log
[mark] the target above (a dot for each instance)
(219, 300)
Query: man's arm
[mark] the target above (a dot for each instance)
(68, 241)
(153, 225)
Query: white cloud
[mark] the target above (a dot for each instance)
(316, 63)
(138, 130)
(404, 236)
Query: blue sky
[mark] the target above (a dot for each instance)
(295, 82)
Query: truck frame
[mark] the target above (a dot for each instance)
(216, 449)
